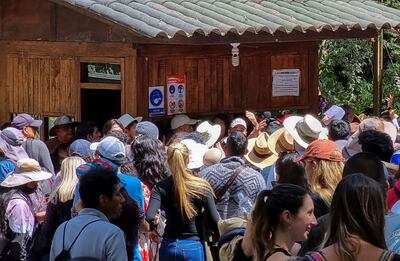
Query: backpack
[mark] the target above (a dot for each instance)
(65, 255)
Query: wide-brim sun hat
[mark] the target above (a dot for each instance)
(63, 120)
(196, 153)
(27, 170)
(305, 130)
(353, 146)
(210, 132)
(280, 141)
(259, 154)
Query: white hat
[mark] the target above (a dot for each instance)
(27, 170)
(110, 148)
(305, 129)
(180, 120)
(196, 153)
(127, 119)
(238, 121)
(210, 132)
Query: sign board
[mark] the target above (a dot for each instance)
(156, 101)
(286, 82)
(176, 94)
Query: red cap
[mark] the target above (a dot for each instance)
(323, 149)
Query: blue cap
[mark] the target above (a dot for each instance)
(80, 148)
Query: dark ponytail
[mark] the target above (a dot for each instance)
(267, 211)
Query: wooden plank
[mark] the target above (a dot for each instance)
(130, 91)
(226, 85)
(100, 86)
(68, 49)
(201, 82)
(212, 88)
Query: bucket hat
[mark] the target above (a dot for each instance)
(323, 149)
(27, 170)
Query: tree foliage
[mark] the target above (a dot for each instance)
(346, 69)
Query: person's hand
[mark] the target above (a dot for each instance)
(252, 118)
(154, 236)
(389, 101)
(258, 129)
(156, 219)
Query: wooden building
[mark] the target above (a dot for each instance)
(48, 46)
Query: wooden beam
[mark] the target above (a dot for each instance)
(378, 66)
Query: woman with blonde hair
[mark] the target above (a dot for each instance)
(61, 199)
(182, 196)
(324, 166)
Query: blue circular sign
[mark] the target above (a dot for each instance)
(171, 89)
(156, 97)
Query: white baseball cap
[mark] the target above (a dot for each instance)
(238, 121)
(180, 120)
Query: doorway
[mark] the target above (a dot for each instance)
(100, 105)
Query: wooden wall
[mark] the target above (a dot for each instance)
(43, 78)
(214, 85)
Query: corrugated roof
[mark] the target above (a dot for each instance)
(167, 18)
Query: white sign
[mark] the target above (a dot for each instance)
(176, 94)
(286, 82)
(156, 101)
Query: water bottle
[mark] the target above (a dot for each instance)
(245, 203)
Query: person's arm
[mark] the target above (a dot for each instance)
(44, 157)
(247, 245)
(116, 247)
(213, 215)
(21, 223)
(154, 205)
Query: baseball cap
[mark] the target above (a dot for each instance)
(24, 120)
(180, 120)
(110, 148)
(323, 149)
(238, 121)
(126, 119)
(80, 148)
(147, 128)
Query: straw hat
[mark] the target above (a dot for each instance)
(210, 132)
(280, 140)
(260, 155)
(305, 130)
(27, 170)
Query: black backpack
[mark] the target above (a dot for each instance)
(65, 256)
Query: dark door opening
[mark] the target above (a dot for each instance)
(100, 105)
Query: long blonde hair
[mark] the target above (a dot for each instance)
(186, 185)
(325, 178)
(65, 191)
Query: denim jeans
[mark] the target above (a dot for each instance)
(181, 250)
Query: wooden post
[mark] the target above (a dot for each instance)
(378, 66)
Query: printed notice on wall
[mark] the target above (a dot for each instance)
(156, 101)
(176, 94)
(286, 82)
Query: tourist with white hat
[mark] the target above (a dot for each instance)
(17, 210)
(210, 132)
(304, 130)
(182, 123)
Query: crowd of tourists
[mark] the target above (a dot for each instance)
(257, 186)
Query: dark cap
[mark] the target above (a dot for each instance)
(24, 120)
(63, 120)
